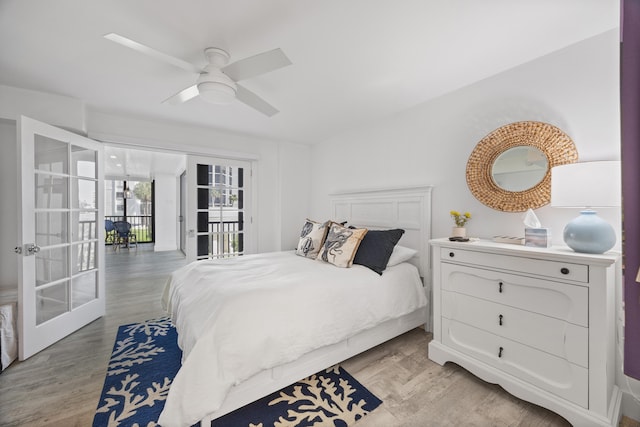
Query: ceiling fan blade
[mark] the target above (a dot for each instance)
(182, 96)
(255, 65)
(254, 101)
(117, 38)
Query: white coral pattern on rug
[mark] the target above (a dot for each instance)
(127, 353)
(327, 402)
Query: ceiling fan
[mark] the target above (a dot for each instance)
(217, 81)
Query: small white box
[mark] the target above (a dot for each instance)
(537, 237)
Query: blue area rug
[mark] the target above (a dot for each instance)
(146, 358)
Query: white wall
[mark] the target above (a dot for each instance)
(575, 89)
(295, 183)
(166, 206)
(8, 210)
(61, 111)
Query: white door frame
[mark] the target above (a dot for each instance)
(182, 208)
(191, 213)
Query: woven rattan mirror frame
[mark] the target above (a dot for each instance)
(554, 143)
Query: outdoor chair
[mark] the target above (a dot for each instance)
(110, 232)
(124, 236)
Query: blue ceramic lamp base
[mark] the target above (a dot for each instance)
(588, 233)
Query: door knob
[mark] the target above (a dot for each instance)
(31, 249)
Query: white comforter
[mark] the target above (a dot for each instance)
(238, 316)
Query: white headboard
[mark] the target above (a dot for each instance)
(407, 208)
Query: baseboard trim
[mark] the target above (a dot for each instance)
(630, 406)
(164, 248)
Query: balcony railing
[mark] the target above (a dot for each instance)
(141, 226)
(223, 239)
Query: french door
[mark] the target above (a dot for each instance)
(61, 279)
(218, 207)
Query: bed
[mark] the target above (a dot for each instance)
(275, 318)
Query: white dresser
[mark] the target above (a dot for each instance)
(539, 322)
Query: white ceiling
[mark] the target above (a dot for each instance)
(354, 61)
(133, 164)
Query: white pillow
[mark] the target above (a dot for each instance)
(401, 254)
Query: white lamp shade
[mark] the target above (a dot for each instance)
(587, 184)
(216, 93)
(216, 87)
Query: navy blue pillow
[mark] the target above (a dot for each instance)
(376, 247)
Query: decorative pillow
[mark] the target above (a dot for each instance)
(400, 254)
(341, 245)
(311, 238)
(376, 248)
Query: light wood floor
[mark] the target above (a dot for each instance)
(61, 385)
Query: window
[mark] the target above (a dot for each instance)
(137, 210)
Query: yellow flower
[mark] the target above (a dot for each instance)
(460, 219)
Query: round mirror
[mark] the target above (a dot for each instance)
(501, 172)
(519, 168)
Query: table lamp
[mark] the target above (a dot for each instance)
(587, 185)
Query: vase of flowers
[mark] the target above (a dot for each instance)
(460, 220)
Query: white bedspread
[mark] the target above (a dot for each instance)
(238, 316)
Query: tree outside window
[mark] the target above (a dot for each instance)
(142, 192)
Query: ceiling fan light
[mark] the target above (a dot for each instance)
(216, 92)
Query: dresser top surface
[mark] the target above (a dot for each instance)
(555, 252)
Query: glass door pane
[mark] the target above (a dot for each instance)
(84, 238)
(51, 155)
(53, 301)
(51, 228)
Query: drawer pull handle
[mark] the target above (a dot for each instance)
(564, 270)
(500, 287)
(500, 320)
(451, 254)
(500, 352)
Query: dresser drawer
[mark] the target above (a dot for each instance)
(551, 373)
(562, 301)
(547, 268)
(551, 335)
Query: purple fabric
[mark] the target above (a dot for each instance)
(630, 116)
